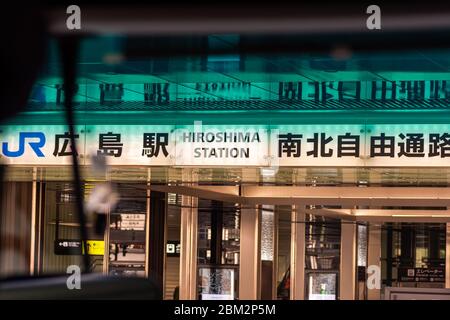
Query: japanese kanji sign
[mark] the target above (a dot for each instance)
(231, 145)
(313, 145)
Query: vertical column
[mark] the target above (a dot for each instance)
(347, 283)
(250, 262)
(268, 234)
(39, 228)
(374, 259)
(188, 254)
(216, 231)
(297, 272)
(156, 241)
(33, 223)
(275, 255)
(447, 258)
(106, 238)
(147, 225)
(15, 226)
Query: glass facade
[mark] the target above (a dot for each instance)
(414, 255)
(323, 239)
(218, 250)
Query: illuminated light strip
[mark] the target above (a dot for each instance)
(411, 215)
(401, 215)
(372, 198)
(420, 216)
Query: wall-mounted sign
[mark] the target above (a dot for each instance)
(173, 248)
(73, 247)
(232, 145)
(95, 247)
(132, 221)
(39, 144)
(421, 274)
(133, 145)
(222, 145)
(325, 145)
(67, 247)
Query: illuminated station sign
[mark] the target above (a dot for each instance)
(231, 145)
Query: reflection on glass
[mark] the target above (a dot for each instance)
(413, 255)
(323, 242)
(218, 233)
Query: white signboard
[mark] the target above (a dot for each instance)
(132, 145)
(408, 145)
(317, 145)
(231, 145)
(132, 221)
(222, 146)
(39, 145)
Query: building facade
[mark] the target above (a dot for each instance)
(237, 177)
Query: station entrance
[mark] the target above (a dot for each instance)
(239, 234)
(317, 242)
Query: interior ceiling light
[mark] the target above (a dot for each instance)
(411, 215)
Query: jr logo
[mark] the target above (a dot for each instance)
(35, 145)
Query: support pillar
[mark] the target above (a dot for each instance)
(347, 283)
(188, 254)
(374, 257)
(297, 271)
(15, 226)
(447, 258)
(250, 261)
(33, 223)
(156, 241)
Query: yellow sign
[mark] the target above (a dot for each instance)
(95, 247)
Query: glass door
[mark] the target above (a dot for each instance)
(127, 231)
(322, 258)
(218, 250)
